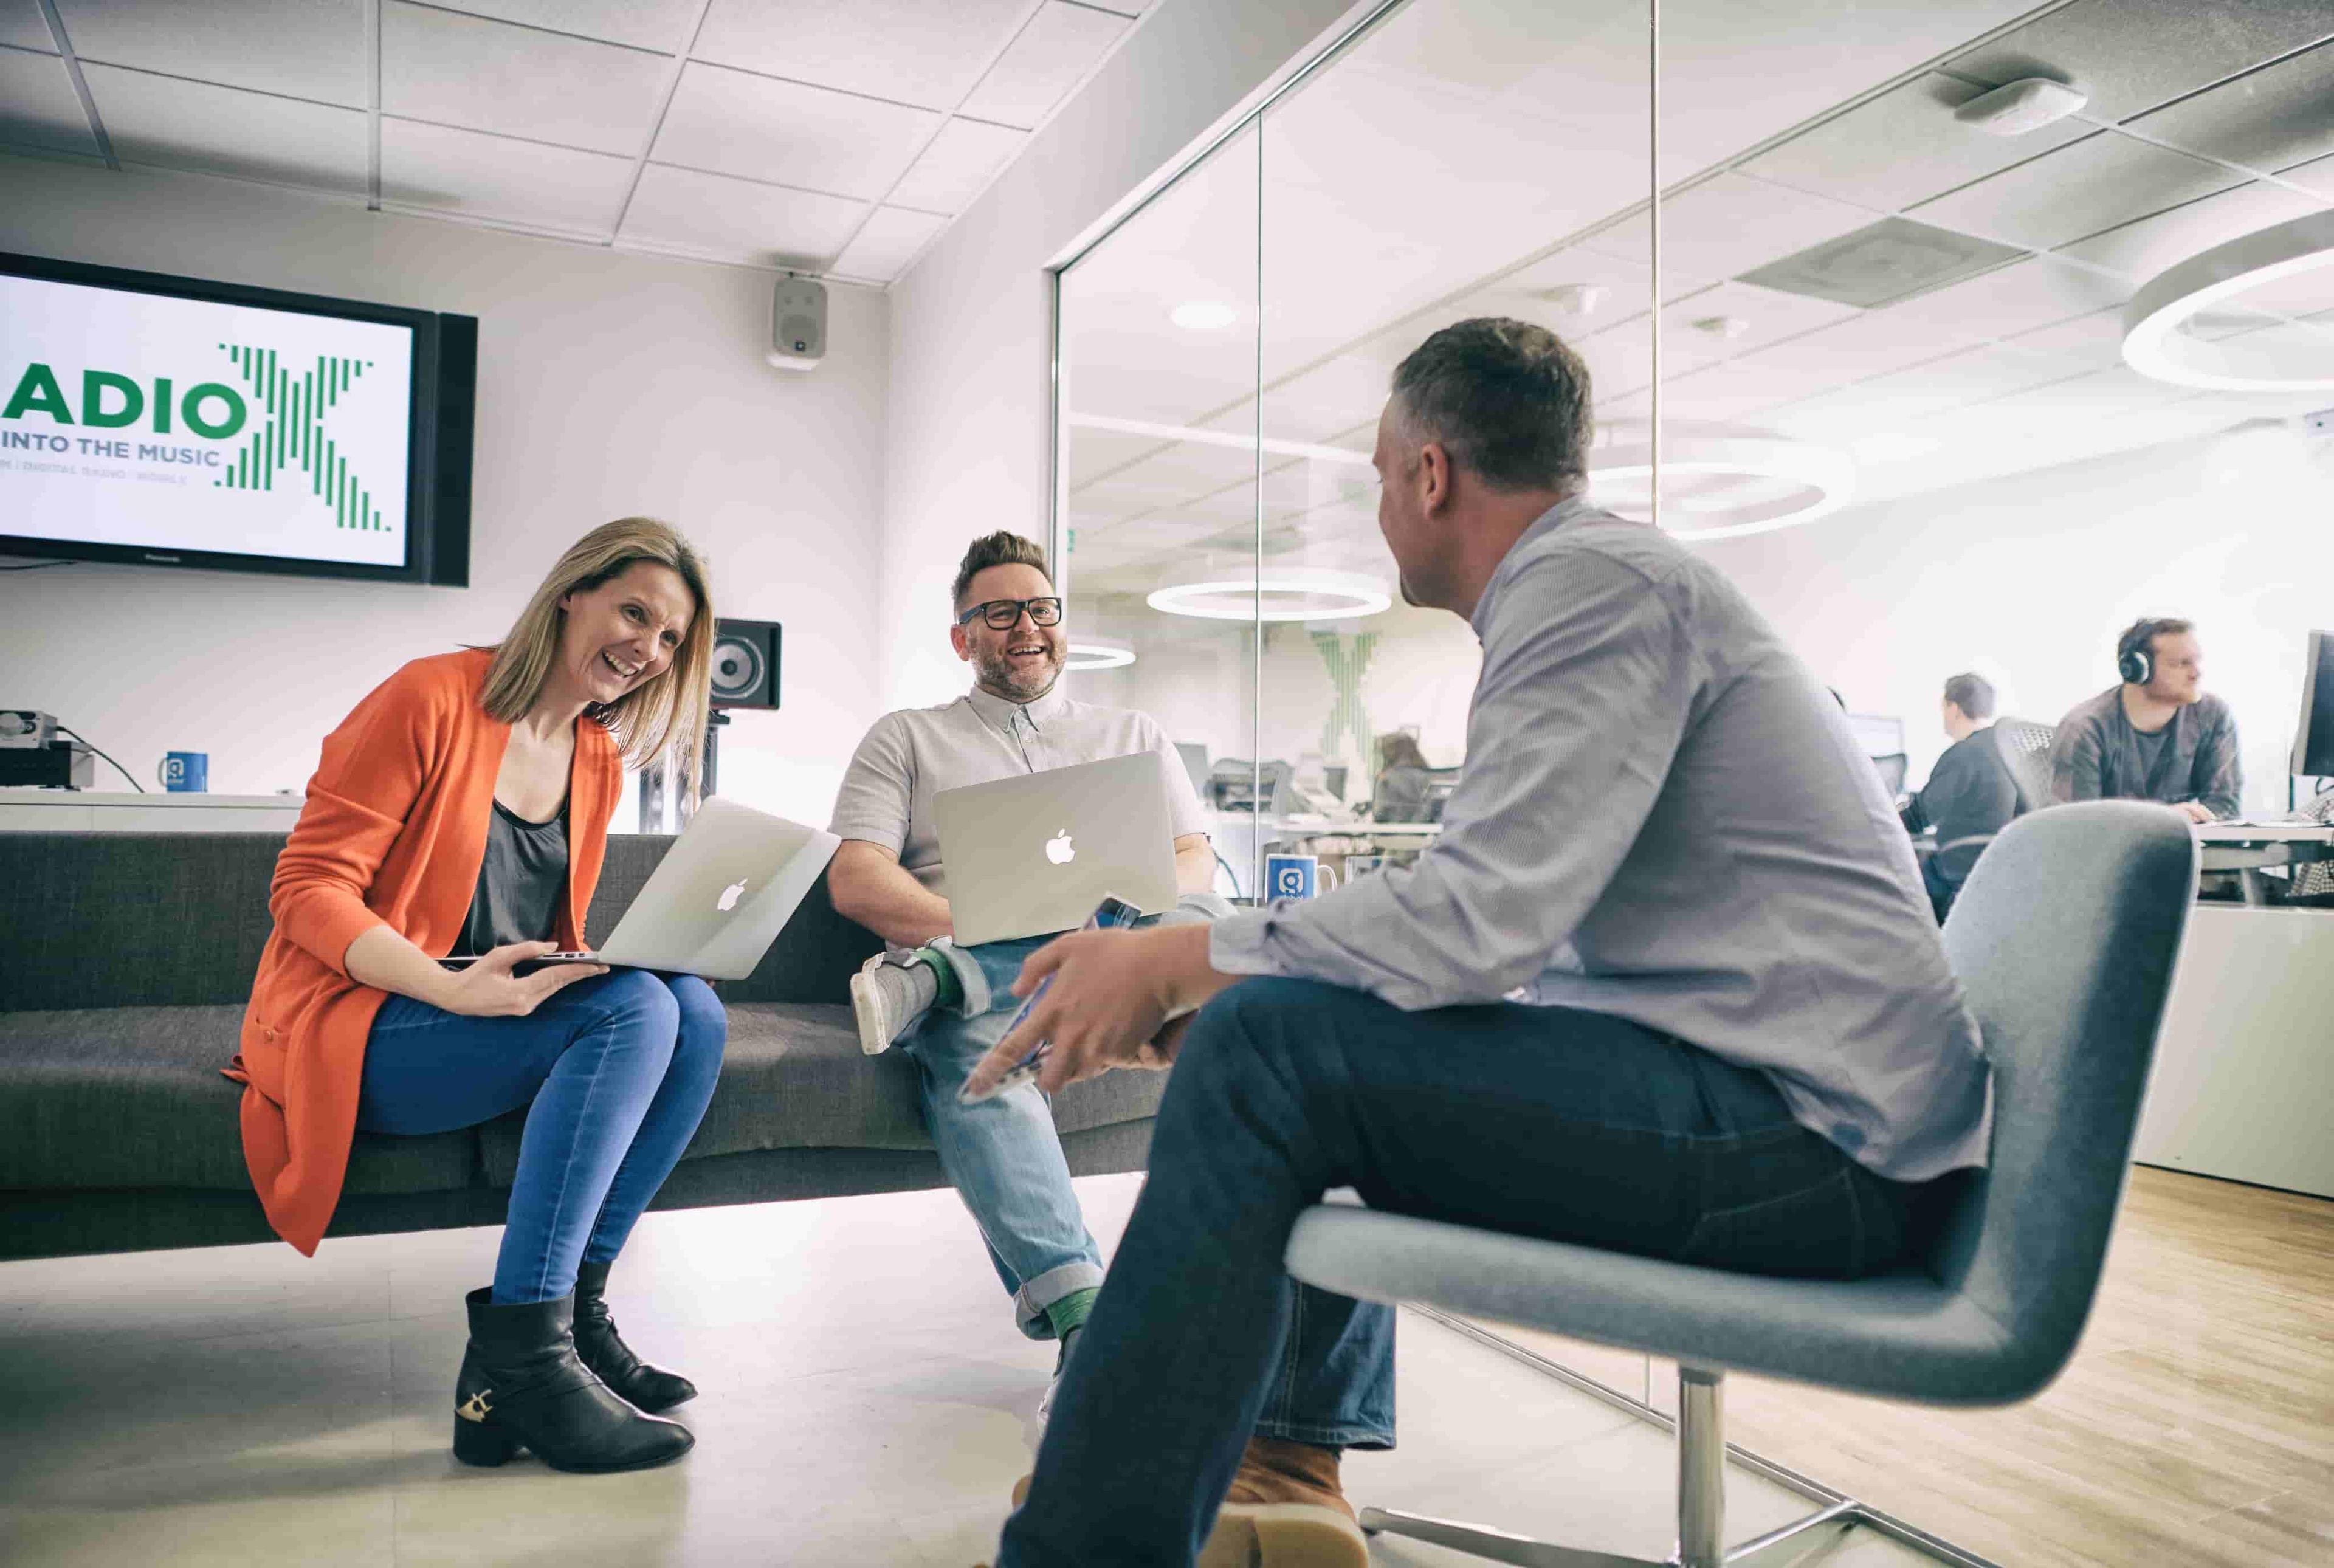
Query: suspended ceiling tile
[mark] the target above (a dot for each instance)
(660, 25)
(1732, 392)
(2086, 342)
(891, 239)
(38, 105)
(1728, 225)
(784, 133)
(1061, 43)
(470, 172)
(22, 26)
(2148, 246)
(2275, 117)
(927, 52)
(961, 161)
(1627, 285)
(466, 71)
(2131, 55)
(311, 49)
(766, 225)
(1902, 146)
(1759, 317)
(2317, 175)
(1871, 344)
(2091, 184)
(1890, 260)
(193, 125)
(2026, 294)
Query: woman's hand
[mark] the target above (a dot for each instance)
(486, 989)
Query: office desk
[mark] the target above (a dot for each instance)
(1241, 838)
(122, 812)
(2250, 849)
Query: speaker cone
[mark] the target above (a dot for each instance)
(736, 668)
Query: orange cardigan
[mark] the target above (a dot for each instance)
(392, 834)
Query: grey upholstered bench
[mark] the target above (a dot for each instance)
(125, 959)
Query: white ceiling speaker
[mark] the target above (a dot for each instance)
(1722, 487)
(1576, 299)
(2020, 107)
(2172, 331)
(798, 323)
(1284, 593)
(1727, 327)
(1098, 653)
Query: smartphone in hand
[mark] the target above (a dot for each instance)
(1111, 911)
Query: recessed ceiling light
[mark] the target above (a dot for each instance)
(1203, 315)
(2278, 356)
(1284, 594)
(1778, 483)
(1098, 653)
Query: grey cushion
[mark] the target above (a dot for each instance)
(2065, 938)
(117, 1097)
(118, 920)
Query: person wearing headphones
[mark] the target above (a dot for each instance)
(2155, 737)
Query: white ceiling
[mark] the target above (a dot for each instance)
(1474, 155)
(836, 138)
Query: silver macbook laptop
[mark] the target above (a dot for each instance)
(718, 899)
(1029, 856)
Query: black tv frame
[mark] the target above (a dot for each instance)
(439, 424)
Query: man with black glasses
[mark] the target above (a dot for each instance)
(946, 1005)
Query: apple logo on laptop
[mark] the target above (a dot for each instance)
(1058, 850)
(729, 898)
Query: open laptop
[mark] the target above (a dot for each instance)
(718, 899)
(1029, 856)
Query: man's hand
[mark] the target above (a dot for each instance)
(1111, 996)
(2197, 812)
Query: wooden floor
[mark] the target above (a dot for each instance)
(2193, 1429)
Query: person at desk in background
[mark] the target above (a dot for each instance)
(2156, 736)
(947, 1005)
(1399, 795)
(1969, 797)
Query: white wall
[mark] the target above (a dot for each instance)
(608, 385)
(972, 321)
(2028, 580)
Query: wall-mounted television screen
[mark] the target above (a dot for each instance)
(173, 421)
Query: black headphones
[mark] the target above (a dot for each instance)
(2134, 659)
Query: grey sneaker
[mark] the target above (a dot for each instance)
(1036, 1429)
(887, 998)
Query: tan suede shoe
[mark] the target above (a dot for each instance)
(1285, 1510)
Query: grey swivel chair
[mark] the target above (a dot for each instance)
(2064, 939)
(2024, 748)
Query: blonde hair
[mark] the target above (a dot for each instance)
(668, 711)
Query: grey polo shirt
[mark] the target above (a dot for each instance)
(2096, 754)
(912, 754)
(1665, 817)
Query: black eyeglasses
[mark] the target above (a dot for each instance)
(1004, 614)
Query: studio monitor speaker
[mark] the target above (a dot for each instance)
(746, 663)
(798, 323)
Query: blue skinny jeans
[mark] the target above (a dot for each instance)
(618, 1068)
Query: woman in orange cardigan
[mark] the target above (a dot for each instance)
(463, 809)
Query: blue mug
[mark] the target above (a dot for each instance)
(1295, 876)
(185, 772)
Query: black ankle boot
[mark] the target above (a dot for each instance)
(522, 1386)
(597, 1346)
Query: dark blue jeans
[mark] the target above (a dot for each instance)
(1551, 1122)
(619, 1069)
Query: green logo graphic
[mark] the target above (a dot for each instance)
(294, 435)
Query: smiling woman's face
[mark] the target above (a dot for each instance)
(623, 633)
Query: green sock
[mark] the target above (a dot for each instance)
(951, 989)
(1070, 1313)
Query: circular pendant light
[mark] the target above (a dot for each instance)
(1720, 486)
(2169, 333)
(1276, 594)
(1098, 653)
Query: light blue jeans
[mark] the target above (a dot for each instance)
(1003, 1154)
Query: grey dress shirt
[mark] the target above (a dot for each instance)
(1665, 817)
(2097, 755)
(912, 754)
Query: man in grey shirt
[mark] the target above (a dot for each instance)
(2155, 737)
(1003, 1155)
(1970, 795)
(1665, 982)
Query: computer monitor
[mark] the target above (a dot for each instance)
(2313, 742)
(1880, 734)
(1195, 762)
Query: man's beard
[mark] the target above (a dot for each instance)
(998, 673)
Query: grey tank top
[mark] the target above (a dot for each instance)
(520, 882)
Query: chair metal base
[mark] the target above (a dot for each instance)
(1703, 1454)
